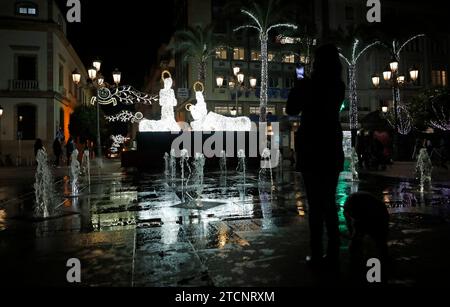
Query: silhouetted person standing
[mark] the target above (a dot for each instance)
(320, 154)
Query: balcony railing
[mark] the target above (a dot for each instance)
(23, 85)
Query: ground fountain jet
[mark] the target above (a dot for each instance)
(43, 187)
(265, 173)
(354, 165)
(86, 166)
(242, 167)
(166, 165)
(173, 166)
(279, 166)
(184, 161)
(199, 165)
(74, 173)
(424, 169)
(223, 163)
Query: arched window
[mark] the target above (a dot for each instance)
(26, 122)
(26, 8)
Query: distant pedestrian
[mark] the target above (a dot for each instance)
(70, 146)
(57, 151)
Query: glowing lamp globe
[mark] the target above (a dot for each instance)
(236, 70)
(414, 74)
(393, 65)
(384, 109)
(117, 75)
(376, 81)
(76, 76)
(100, 80)
(92, 73)
(387, 75)
(401, 79)
(97, 64)
(231, 84)
(253, 82)
(240, 78)
(219, 81)
(233, 111)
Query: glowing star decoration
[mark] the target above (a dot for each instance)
(118, 140)
(204, 121)
(167, 101)
(258, 21)
(122, 94)
(352, 64)
(125, 117)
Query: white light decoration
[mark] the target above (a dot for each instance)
(122, 94)
(401, 80)
(119, 140)
(352, 63)
(263, 29)
(125, 117)
(404, 120)
(384, 109)
(204, 121)
(442, 116)
(167, 101)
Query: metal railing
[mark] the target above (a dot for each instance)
(23, 85)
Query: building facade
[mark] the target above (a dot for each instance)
(36, 89)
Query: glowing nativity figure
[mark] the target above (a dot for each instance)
(167, 101)
(210, 121)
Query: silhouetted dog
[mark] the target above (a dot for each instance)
(366, 215)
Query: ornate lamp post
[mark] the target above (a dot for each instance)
(396, 80)
(98, 82)
(236, 83)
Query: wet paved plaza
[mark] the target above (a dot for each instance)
(138, 230)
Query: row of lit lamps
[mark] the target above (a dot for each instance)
(391, 71)
(240, 77)
(94, 74)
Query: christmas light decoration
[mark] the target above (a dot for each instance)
(125, 117)
(404, 120)
(442, 116)
(353, 95)
(123, 94)
(210, 121)
(263, 29)
(118, 140)
(167, 101)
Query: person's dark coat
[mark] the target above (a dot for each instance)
(319, 139)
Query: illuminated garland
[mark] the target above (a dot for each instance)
(442, 121)
(118, 140)
(263, 30)
(125, 116)
(122, 94)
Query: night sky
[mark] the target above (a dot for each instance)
(123, 34)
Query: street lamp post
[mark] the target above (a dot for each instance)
(396, 80)
(236, 83)
(98, 82)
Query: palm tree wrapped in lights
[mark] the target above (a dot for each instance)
(264, 20)
(352, 62)
(196, 44)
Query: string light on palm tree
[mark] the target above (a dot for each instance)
(264, 20)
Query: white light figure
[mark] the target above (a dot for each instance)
(210, 121)
(167, 101)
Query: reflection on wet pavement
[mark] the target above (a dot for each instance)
(138, 230)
